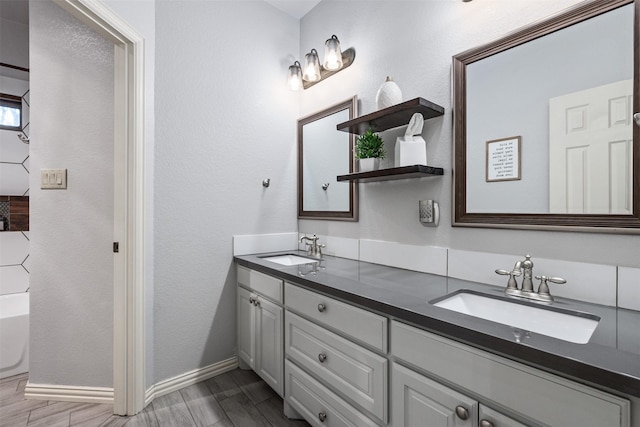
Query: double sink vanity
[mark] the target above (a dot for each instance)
(346, 342)
(350, 343)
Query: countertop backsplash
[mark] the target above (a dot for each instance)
(611, 285)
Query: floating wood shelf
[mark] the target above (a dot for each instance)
(392, 117)
(403, 172)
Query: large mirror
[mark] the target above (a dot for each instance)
(323, 154)
(544, 135)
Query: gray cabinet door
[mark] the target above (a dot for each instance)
(246, 326)
(419, 401)
(269, 358)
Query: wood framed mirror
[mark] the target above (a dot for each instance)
(566, 88)
(323, 154)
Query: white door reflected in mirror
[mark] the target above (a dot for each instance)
(590, 151)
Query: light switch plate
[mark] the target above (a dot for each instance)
(53, 179)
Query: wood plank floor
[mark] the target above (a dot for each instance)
(235, 399)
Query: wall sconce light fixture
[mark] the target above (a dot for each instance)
(311, 67)
(295, 76)
(334, 61)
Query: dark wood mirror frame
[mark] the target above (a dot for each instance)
(351, 105)
(560, 222)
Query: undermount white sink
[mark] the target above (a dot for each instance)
(289, 259)
(563, 324)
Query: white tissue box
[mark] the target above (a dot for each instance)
(410, 151)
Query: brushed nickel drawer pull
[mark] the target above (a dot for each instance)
(486, 423)
(322, 416)
(462, 412)
(321, 307)
(322, 357)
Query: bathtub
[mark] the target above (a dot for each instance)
(14, 334)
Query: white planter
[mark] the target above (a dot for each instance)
(368, 165)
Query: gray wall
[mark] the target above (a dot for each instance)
(225, 120)
(414, 42)
(225, 124)
(71, 230)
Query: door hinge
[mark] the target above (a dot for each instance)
(116, 247)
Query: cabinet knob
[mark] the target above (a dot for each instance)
(322, 357)
(252, 300)
(486, 423)
(321, 307)
(256, 302)
(322, 416)
(462, 412)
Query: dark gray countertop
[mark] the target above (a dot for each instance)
(610, 360)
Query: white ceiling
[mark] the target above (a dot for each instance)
(18, 10)
(295, 8)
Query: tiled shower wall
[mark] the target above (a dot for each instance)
(14, 181)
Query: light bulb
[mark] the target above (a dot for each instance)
(311, 67)
(295, 76)
(332, 54)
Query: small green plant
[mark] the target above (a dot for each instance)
(369, 145)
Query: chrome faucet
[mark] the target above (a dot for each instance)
(314, 249)
(525, 268)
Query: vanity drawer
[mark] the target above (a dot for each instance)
(354, 322)
(356, 372)
(547, 398)
(317, 404)
(266, 285)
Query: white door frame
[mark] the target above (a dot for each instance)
(128, 324)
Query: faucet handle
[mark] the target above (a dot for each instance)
(544, 287)
(508, 273)
(511, 283)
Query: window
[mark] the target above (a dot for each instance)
(10, 112)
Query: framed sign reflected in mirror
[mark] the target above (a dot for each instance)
(503, 159)
(323, 154)
(567, 88)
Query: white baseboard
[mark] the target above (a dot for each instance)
(188, 378)
(69, 393)
(105, 394)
